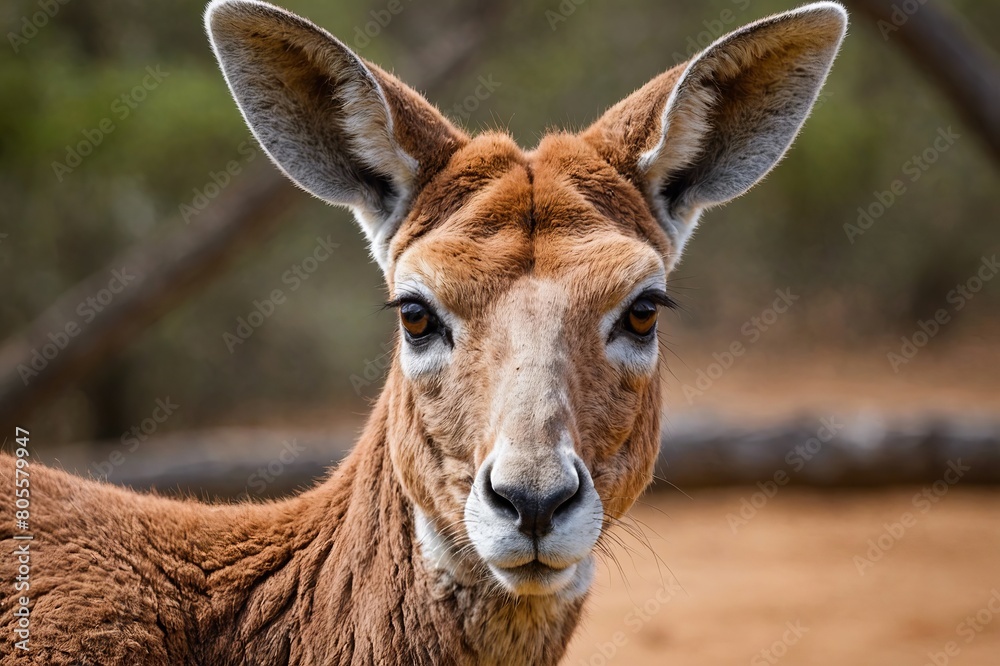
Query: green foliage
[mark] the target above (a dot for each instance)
(878, 111)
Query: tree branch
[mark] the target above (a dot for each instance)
(945, 49)
(169, 272)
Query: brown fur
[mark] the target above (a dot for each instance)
(334, 575)
(330, 577)
(512, 243)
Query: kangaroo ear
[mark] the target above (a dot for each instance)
(704, 132)
(340, 128)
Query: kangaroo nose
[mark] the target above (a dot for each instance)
(534, 511)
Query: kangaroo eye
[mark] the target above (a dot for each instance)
(640, 319)
(418, 321)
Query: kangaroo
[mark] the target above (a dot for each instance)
(520, 416)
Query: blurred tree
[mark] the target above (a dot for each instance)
(556, 63)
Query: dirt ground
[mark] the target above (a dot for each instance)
(800, 583)
(776, 380)
(836, 578)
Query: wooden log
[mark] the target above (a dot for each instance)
(827, 451)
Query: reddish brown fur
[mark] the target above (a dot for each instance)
(113, 584)
(510, 242)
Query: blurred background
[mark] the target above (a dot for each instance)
(828, 495)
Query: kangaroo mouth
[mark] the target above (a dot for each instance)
(533, 569)
(534, 540)
(535, 578)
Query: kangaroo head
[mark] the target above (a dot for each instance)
(524, 397)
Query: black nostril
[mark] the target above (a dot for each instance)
(533, 511)
(499, 502)
(569, 502)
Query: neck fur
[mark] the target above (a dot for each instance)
(340, 575)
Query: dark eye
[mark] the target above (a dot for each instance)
(640, 319)
(417, 320)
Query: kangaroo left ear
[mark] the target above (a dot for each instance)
(703, 133)
(338, 126)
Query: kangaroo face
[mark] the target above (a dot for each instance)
(525, 394)
(528, 316)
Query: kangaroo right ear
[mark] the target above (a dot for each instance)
(340, 128)
(703, 133)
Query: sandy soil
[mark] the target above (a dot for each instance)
(789, 585)
(772, 380)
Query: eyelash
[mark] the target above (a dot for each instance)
(659, 297)
(399, 301)
(443, 330)
(655, 296)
